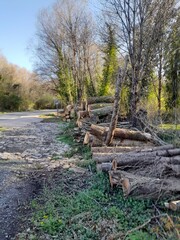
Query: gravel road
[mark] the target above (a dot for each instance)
(27, 147)
(22, 119)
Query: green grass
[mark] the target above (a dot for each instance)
(49, 115)
(76, 148)
(84, 213)
(169, 126)
(170, 133)
(85, 207)
(2, 129)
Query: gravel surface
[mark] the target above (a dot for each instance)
(24, 151)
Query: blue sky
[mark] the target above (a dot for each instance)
(18, 27)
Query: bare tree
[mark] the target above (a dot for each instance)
(140, 25)
(65, 49)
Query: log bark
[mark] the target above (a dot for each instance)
(130, 156)
(99, 105)
(120, 133)
(120, 157)
(132, 143)
(105, 167)
(102, 99)
(144, 187)
(120, 149)
(82, 114)
(169, 152)
(131, 135)
(94, 141)
(126, 143)
(119, 82)
(98, 131)
(102, 112)
(113, 149)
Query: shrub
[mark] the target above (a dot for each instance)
(44, 102)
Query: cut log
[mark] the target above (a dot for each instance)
(102, 99)
(169, 152)
(102, 112)
(132, 143)
(122, 158)
(68, 109)
(173, 205)
(79, 123)
(99, 105)
(121, 133)
(117, 149)
(130, 156)
(144, 187)
(86, 138)
(127, 143)
(95, 142)
(128, 149)
(105, 167)
(82, 114)
(98, 131)
(131, 135)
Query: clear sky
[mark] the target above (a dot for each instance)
(18, 27)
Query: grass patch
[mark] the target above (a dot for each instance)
(84, 207)
(50, 115)
(76, 148)
(170, 133)
(169, 126)
(2, 129)
(88, 213)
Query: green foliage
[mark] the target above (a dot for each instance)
(76, 148)
(110, 62)
(172, 65)
(140, 235)
(44, 102)
(10, 102)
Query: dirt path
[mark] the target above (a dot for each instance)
(24, 152)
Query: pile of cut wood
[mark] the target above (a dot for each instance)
(132, 159)
(148, 172)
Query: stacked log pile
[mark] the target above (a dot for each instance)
(68, 113)
(132, 160)
(150, 172)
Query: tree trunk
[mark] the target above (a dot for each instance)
(120, 79)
